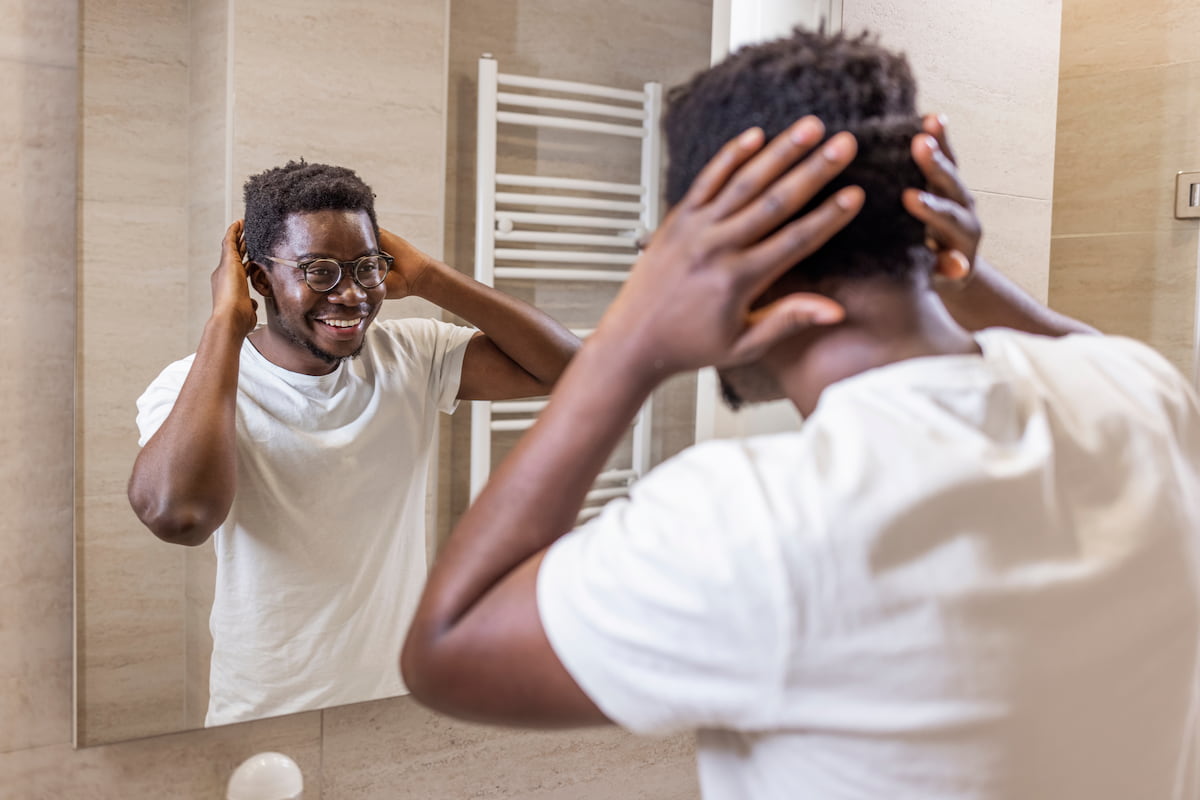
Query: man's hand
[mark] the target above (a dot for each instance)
(687, 303)
(410, 265)
(975, 293)
(946, 207)
(230, 286)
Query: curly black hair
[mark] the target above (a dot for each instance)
(849, 83)
(298, 186)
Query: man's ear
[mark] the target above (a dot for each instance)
(258, 278)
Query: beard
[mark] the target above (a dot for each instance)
(294, 336)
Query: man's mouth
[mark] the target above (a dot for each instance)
(341, 323)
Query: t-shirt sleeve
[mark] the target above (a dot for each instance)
(448, 362)
(671, 610)
(159, 398)
(443, 345)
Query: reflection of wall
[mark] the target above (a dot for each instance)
(1128, 119)
(621, 43)
(991, 68)
(133, 284)
(385, 749)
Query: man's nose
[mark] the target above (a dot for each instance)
(347, 291)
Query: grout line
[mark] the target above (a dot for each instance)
(1106, 234)
(978, 192)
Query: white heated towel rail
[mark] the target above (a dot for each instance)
(528, 227)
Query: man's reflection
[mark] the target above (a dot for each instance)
(304, 444)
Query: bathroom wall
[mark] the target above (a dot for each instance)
(388, 749)
(992, 69)
(1128, 119)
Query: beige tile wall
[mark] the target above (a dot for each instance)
(207, 59)
(992, 69)
(38, 84)
(132, 282)
(1128, 112)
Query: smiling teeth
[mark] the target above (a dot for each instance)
(341, 323)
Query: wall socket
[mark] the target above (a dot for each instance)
(1187, 195)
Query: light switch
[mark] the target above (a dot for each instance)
(1187, 195)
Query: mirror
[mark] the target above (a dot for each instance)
(180, 103)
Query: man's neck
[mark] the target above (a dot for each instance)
(885, 323)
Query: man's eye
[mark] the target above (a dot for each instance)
(320, 273)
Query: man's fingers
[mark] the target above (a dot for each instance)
(940, 172)
(789, 194)
(731, 156)
(767, 261)
(950, 225)
(748, 183)
(785, 317)
(953, 265)
(935, 126)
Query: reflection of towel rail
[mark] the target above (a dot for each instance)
(562, 222)
(571, 87)
(564, 256)
(546, 182)
(605, 494)
(518, 406)
(512, 424)
(549, 274)
(562, 104)
(588, 513)
(526, 423)
(625, 475)
(558, 201)
(546, 237)
(570, 220)
(514, 118)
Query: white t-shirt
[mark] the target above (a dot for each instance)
(964, 577)
(321, 560)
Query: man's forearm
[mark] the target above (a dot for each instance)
(184, 479)
(531, 338)
(990, 299)
(536, 494)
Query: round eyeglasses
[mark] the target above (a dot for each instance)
(323, 274)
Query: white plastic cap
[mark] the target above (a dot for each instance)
(266, 776)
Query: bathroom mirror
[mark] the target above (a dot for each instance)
(180, 102)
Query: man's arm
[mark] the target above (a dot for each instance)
(476, 648)
(519, 352)
(977, 294)
(184, 479)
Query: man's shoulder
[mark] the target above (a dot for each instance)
(724, 465)
(1125, 359)
(413, 333)
(173, 374)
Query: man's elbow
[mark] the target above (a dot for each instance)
(569, 348)
(174, 523)
(419, 677)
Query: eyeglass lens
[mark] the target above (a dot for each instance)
(323, 274)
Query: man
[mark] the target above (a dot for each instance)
(972, 573)
(304, 444)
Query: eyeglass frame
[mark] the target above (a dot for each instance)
(304, 265)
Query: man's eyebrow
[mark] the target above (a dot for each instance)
(371, 251)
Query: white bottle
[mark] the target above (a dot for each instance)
(266, 776)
